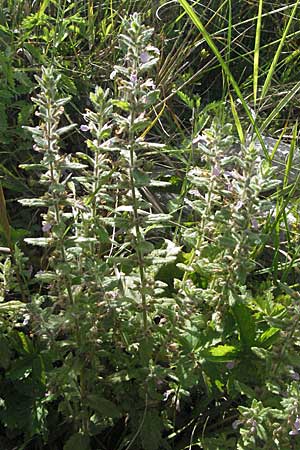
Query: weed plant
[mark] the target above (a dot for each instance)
(148, 319)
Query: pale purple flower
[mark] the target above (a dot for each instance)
(296, 428)
(167, 394)
(254, 425)
(254, 224)
(26, 320)
(84, 128)
(216, 171)
(144, 57)
(113, 75)
(133, 78)
(149, 84)
(229, 187)
(236, 424)
(46, 227)
(228, 173)
(201, 139)
(239, 205)
(295, 376)
(230, 365)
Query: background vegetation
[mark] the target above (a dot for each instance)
(149, 217)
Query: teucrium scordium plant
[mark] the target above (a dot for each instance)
(124, 351)
(101, 263)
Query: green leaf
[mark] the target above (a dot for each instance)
(37, 202)
(72, 165)
(244, 389)
(268, 337)
(122, 104)
(103, 406)
(151, 433)
(145, 351)
(139, 124)
(78, 441)
(221, 353)
(25, 342)
(11, 306)
(46, 277)
(140, 178)
(5, 353)
(261, 353)
(83, 240)
(158, 218)
(245, 322)
(40, 242)
(20, 369)
(227, 242)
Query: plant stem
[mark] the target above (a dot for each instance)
(139, 238)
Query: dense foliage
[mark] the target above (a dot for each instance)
(149, 213)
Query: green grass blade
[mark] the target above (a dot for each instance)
(278, 52)
(237, 121)
(197, 22)
(43, 8)
(4, 222)
(229, 33)
(283, 102)
(278, 143)
(256, 51)
(289, 163)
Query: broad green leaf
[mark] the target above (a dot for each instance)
(152, 428)
(141, 178)
(122, 104)
(244, 389)
(20, 369)
(245, 322)
(103, 406)
(78, 441)
(227, 241)
(221, 353)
